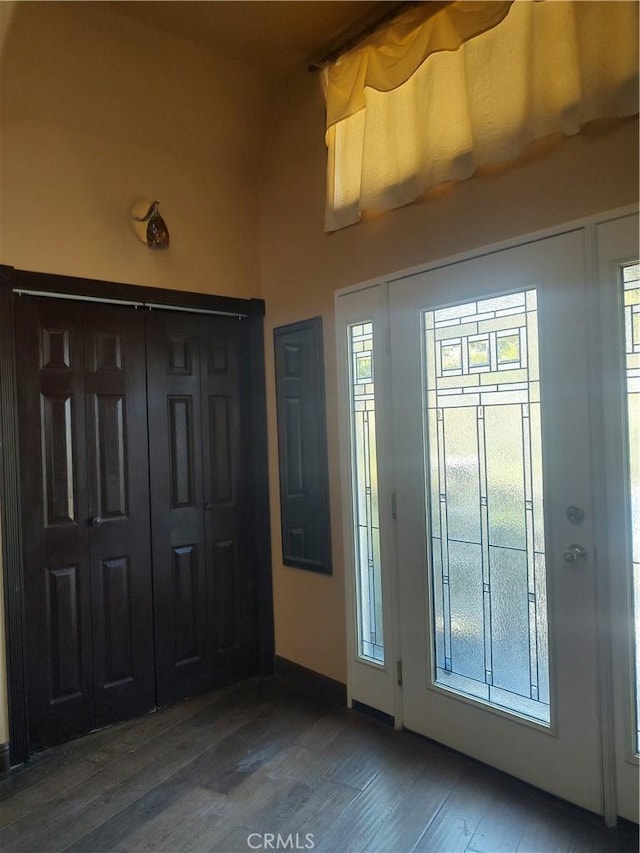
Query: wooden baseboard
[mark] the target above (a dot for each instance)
(4, 758)
(320, 686)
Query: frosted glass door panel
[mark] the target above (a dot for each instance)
(488, 581)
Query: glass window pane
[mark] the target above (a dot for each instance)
(485, 502)
(631, 291)
(479, 353)
(364, 472)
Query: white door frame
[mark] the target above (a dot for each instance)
(615, 241)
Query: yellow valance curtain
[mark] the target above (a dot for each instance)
(434, 96)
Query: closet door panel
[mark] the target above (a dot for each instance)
(228, 499)
(177, 510)
(116, 417)
(57, 582)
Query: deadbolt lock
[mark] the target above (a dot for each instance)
(575, 514)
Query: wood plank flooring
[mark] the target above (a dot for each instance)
(220, 772)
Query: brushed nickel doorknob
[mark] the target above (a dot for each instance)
(575, 554)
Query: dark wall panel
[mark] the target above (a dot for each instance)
(293, 447)
(302, 446)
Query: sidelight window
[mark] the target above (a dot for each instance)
(631, 290)
(364, 472)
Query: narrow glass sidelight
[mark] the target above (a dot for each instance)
(364, 472)
(631, 292)
(485, 502)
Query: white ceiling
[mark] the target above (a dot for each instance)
(274, 35)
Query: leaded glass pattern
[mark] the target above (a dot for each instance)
(365, 490)
(483, 437)
(631, 291)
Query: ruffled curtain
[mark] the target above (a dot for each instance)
(430, 99)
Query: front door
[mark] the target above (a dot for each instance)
(496, 563)
(84, 472)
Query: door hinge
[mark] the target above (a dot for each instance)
(394, 506)
(387, 337)
(399, 672)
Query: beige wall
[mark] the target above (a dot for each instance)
(302, 267)
(98, 111)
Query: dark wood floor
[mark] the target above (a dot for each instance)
(259, 757)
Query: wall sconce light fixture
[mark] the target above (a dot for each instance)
(150, 226)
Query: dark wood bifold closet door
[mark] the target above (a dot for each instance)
(136, 467)
(200, 501)
(118, 480)
(84, 470)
